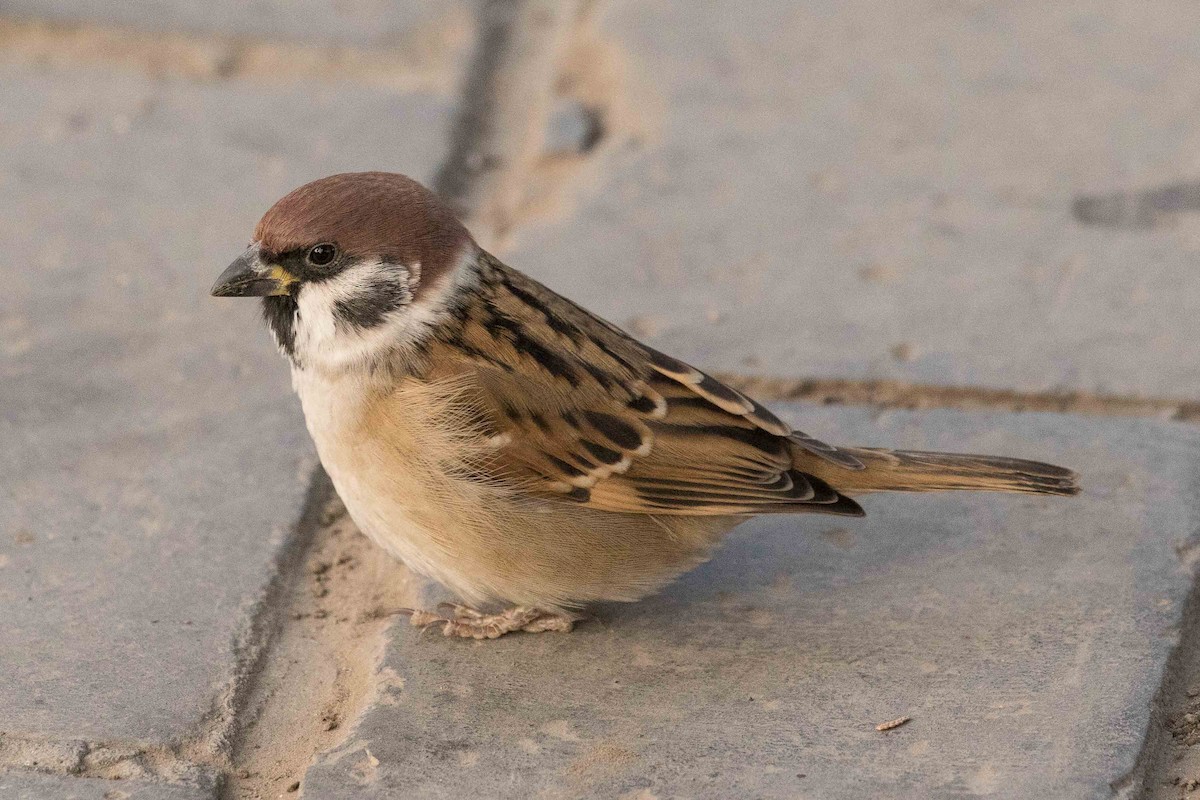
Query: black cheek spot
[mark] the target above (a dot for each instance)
(372, 306)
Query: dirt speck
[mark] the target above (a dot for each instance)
(841, 538)
(603, 759)
(878, 273)
(826, 180)
(644, 326)
(905, 352)
(560, 729)
(639, 794)
(760, 618)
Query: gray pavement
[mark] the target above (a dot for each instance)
(154, 459)
(850, 190)
(35, 786)
(962, 194)
(1020, 634)
(375, 23)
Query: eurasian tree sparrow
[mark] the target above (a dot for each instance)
(513, 446)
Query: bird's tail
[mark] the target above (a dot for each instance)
(913, 471)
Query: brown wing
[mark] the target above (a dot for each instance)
(579, 410)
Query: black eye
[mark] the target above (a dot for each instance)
(322, 255)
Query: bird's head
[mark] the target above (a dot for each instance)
(350, 265)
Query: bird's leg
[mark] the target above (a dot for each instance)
(471, 624)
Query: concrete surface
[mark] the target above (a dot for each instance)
(35, 786)
(961, 194)
(1023, 635)
(920, 192)
(380, 23)
(154, 458)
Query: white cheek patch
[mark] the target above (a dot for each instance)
(370, 296)
(348, 317)
(366, 312)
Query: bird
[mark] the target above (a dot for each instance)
(510, 445)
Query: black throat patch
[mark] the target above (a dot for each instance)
(280, 312)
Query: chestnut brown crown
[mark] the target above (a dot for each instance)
(381, 215)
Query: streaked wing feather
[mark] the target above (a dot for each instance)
(734, 402)
(590, 415)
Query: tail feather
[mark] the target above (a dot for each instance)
(914, 471)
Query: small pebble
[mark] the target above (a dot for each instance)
(893, 723)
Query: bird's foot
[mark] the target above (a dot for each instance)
(468, 623)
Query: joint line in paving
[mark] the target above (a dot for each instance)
(114, 760)
(504, 108)
(207, 58)
(902, 395)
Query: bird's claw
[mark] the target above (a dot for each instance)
(468, 623)
(421, 619)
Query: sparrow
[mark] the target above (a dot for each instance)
(512, 446)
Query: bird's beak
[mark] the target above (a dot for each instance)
(249, 276)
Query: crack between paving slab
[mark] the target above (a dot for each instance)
(610, 108)
(1167, 766)
(902, 395)
(421, 60)
(323, 635)
(497, 172)
(499, 131)
(333, 610)
(204, 758)
(320, 637)
(115, 761)
(499, 176)
(310, 661)
(307, 661)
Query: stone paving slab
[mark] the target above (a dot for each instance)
(318, 22)
(154, 457)
(1025, 636)
(963, 194)
(36, 786)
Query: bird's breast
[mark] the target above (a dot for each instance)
(388, 453)
(396, 454)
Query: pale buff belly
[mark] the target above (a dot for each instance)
(388, 459)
